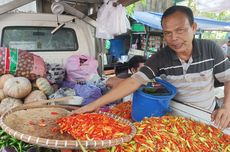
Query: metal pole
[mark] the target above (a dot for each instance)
(100, 56)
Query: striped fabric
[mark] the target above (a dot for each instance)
(193, 79)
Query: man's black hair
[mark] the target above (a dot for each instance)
(183, 9)
(135, 61)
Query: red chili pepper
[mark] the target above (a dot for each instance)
(66, 150)
(54, 130)
(54, 113)
(42, 120)
(31, 123)
(42, 124)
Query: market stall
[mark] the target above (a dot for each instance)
(114, 127)
(27, 81)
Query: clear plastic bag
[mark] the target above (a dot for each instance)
(111, 20)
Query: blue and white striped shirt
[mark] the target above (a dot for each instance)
(194, 79)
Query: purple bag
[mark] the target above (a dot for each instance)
(70, 84)
(87, 91)
(80, 67)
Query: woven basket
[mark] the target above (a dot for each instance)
(62, 142)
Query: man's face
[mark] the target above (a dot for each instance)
(133, 70)
(228, 43)
(140, 65)
(178, 33)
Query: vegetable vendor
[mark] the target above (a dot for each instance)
(189, 64)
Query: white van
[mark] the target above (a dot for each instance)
(32, 32)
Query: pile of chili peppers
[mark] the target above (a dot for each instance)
(174, 134)
(93, 126)
(171, 133)
(122, 109)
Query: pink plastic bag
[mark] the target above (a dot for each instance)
(80, 67)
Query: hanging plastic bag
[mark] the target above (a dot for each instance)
(104, 13)
(124, 22)
(80, 67)
(111, 20)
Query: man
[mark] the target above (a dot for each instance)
(188, 64)
(225, 48)
(134, 65)
(228, 50)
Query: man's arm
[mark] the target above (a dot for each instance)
(221, 116)
(227, 94)
(113, 82)
(123, 89)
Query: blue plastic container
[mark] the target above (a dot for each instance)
(117, 48)
(148, 105)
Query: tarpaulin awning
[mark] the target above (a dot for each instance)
(213, 5)
(153, 20)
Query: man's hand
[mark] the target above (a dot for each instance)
(221, 118)
(123, 89)
(84, 109)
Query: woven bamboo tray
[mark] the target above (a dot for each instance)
(15, 123)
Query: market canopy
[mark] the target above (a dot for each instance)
(213, 5)
(153, 20)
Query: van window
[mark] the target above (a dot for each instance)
(39, 39)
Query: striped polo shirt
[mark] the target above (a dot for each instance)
(193, 79)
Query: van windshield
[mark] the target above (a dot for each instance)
(39, 39)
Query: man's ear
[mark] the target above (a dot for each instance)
(133, 70)
(194, 27)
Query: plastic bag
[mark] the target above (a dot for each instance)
(111, 20)
(80, 67)
(55, 73)
(104, 13)
(87, 91)
(62, 92)
(21, 63)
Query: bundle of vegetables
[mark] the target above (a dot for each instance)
(11, 144)
(8, 142)
(122, 109)
(93, 126)
(170, 133)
